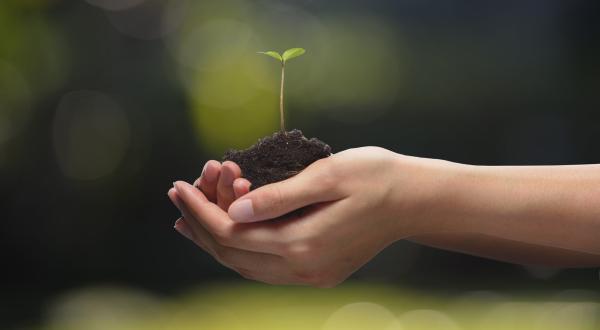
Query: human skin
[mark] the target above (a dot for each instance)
(361, 200)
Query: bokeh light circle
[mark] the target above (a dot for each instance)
(214, 44)
(511, 315)
(357, 72)
(579, 316)
(428, 319)
(101, 308)
(362, 315)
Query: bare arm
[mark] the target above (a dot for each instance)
(361, 200)
(508, 251)
(552, 208)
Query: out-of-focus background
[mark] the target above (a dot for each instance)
(103, 103)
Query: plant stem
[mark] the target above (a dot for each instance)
(281, 117)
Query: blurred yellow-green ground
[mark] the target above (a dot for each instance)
(104, 103)
(350, 306)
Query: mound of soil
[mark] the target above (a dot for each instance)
(277, 157)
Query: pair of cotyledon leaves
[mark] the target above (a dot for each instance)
(287, 55)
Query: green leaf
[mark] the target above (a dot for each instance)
(292, 53)
(273, 54)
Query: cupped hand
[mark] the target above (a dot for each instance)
(350, 213)
(221, 183)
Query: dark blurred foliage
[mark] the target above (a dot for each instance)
(506, 82)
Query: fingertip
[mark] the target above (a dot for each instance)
(243, 181)
(179, 185)
(235, 169)
(173, 196)
(178, 223)
(211, 171)
(241, 187)
(172, 193)
(213, 164)
(230, 171)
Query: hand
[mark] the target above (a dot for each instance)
(221, 185)
(351, 213)
(358, 201)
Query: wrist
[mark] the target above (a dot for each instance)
(421, 199)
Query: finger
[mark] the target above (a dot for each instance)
(187, 231)
(181, 227)
(279, 198)
(225, 194)
(195, 231)
(236, 259)
(209, 179)
(253, 237)
(251, 262)
(255, 263)
(241, 187)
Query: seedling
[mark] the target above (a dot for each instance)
(287, 55)
(284, 154)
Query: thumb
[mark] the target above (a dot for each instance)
(279, 198)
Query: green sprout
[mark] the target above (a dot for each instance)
(287, 55)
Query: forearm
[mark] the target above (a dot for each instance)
(551, 206)
(507, 250)
(555, 206)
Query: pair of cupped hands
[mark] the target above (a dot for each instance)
(350, 212)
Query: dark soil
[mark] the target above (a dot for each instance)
(277, 157)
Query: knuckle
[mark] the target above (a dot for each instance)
(274, 199)
(222, 236)
(322, 163)
(306, 248)
(328, 177)
(270, 200)
(299, 251)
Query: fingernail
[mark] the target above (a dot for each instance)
(173, 198)
(241, 210)
(182, 228)
(177, 188)
(204, 169)
(197, 182)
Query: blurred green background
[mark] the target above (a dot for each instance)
(103, 103)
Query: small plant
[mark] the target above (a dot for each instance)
(284, 153)
(287, 55)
